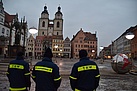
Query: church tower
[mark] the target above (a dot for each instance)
(43, 22)
(58, 22)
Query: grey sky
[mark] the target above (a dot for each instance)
(110, 18)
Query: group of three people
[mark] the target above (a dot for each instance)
(84, 75)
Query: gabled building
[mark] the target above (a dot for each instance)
(57, 46)
(84, 40)
(30, 47)
(67, 48)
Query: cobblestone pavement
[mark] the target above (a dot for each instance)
(110, 81)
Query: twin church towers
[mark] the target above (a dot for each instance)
(48, 27)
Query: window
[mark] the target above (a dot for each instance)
(43, 24)
(57, 33)
(80, 41)
(58, 24)
(7, 32)
(3, 30)
(42, 33)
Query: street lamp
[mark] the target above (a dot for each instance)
(33, 31)
(101, 54)
(56, 46)
(101, 47)
(130, 36)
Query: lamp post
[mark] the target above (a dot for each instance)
(56, 46)
(93, 54)
(130, 36)
(33, 31)
(101, 54)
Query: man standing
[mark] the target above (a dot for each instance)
(46, 74)
(18, 74)
(85, 74)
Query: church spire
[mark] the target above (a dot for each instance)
(58, 13)
(45, 10)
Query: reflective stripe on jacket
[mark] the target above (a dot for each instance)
(19, 75)
(84, 75)
(46, 75)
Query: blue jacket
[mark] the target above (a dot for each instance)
(18, 74)
(84, 75)
(46, 75)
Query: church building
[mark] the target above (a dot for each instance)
(51, 33)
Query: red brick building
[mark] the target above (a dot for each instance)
(84, 40)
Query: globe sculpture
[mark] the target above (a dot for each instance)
(121, 64)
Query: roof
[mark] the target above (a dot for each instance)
(59, 12)
(40, 37)
(51, 25)
(67, 39)
(45, 11)
(88, 36)
(8, 17)
(58, 37)
(74, 36)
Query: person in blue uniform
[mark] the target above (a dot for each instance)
(18, 74)
(85, 74)
(46, 74)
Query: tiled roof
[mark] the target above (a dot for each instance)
(58, 37)
(8, 17)
(89, 36)
(40, 37)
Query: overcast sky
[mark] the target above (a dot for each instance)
(110, 18)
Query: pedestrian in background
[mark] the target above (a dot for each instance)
(46, 74)
(85, 74)
(18, 74)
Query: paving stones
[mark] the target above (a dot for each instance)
(110, 80)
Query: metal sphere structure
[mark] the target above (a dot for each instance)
(121, 64)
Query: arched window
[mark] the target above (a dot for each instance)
(58, 24)
(43, 24)
(57, 33)
(42, 33)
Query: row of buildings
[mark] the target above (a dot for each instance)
(14, 37)
(122, 45)
(14, 34)
(50, 34)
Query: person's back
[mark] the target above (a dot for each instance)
(46, 74)
(18, 74)
(85, 74)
